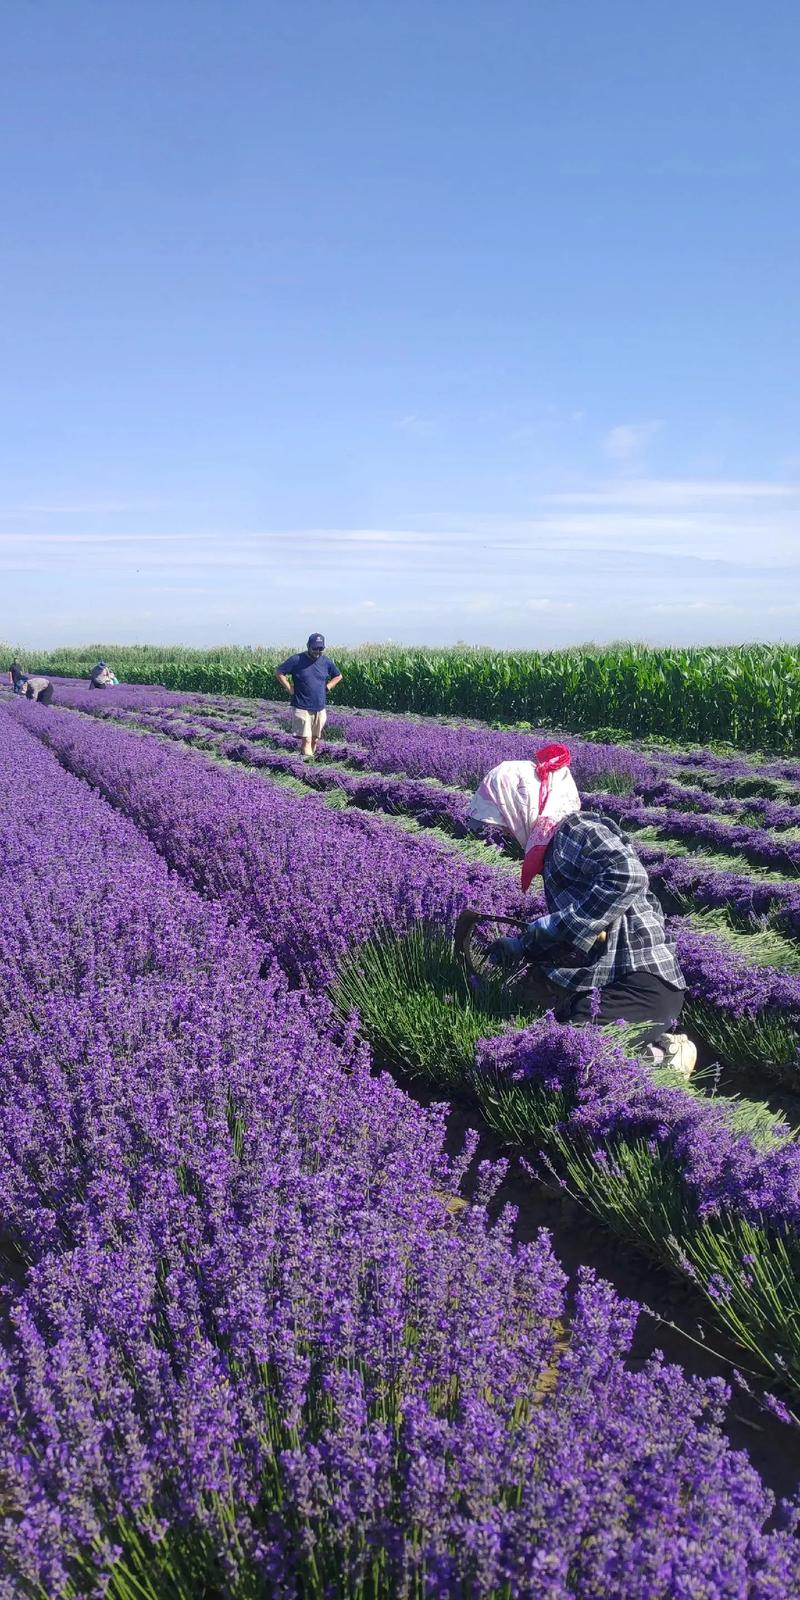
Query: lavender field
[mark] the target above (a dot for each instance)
(254, 1341)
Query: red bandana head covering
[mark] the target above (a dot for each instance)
(551, 759)
(529, 799)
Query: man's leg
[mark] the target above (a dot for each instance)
(317, 725)
(301, 728)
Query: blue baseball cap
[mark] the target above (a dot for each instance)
(316, 641)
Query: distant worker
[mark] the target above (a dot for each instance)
(313, 675)
(101, 677)
(602, 953)
(38, 688)
(17, 677)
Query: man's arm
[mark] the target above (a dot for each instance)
(333, 682)
(282, 669)
(616, 878)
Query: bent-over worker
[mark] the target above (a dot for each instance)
(313, 675)
(39, 688)
(602, 947)
(101, 676)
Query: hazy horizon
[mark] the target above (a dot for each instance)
(375, 645)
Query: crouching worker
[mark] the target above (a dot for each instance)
(101, 676)
(38, 688)
(602, 949)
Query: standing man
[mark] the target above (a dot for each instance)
(17, 677)
(312, 674)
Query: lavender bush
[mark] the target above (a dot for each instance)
(680, 1175)
(453, 755)
(247, 1348)
(756, 845)
(747, 1014)
(274, 863)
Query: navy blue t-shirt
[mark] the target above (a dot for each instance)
(309, 675)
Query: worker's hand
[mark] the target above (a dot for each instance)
(505, 952)
(537, 941)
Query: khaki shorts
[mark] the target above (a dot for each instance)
(308, 724)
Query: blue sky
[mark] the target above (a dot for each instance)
(422, 321)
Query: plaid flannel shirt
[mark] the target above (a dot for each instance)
(595, 883)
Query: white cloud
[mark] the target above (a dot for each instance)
(664, 559)
(750, 525)
(628, 442)
(414, 424)
(659, 492)
(677, 607)
(67, 541)
(80, 508)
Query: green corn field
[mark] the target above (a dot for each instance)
(748, 695)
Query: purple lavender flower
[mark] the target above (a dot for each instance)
(242, 1326)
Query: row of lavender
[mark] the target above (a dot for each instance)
(750, 897)
(246, 1349)
(462, 753)
(460, 756)
(751, 989)
(277, 865)
(424, 747)
(721, 983)
(599, 770)
(748, 1013)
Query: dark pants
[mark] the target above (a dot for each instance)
(636, 997)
